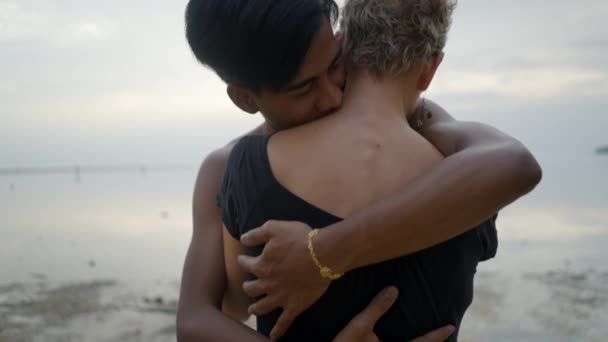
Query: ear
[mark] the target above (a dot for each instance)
(242, 98)
(429, 70)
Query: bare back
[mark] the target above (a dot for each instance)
(347, 161)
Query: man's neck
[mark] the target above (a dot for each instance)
(264, 128)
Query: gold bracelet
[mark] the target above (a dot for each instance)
(325, 271)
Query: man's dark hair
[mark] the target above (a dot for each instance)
(255, 43)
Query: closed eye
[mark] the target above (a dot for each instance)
(304, 90)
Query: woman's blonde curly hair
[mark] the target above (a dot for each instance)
(389, 36)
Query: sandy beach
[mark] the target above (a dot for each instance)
(562, 305)
(89, 311)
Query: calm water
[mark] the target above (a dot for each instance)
(132, 226)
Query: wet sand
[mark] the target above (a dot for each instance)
(92, 311)
(559, 305)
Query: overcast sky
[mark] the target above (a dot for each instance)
(114, 81)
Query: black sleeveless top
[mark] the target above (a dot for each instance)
(435, 285)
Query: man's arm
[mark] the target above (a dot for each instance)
(236, 301)
(485, 170)
(199, 316)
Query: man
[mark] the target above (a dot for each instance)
(260, 48)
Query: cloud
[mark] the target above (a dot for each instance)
(503, 49)
(525, 83)
(146, 104)
(15, 23)
(85, 33)
(7, 87)
(53, 25)
(115, 61)
(590, 43)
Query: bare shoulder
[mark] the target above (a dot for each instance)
(207, 186)
(214, 164)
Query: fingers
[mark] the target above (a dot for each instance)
(258, 236)
(263, 306)
(248, 264)
(379, 306)
(283, 323)
(363, 324)
(256, 288)
(438, 335)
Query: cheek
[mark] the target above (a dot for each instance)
(339, 76)
(294, 112)
(303, 109)
(294, 107)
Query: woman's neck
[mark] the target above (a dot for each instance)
(366, 94)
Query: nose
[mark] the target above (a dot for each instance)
(330, 96)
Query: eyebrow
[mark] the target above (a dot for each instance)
(308, 80)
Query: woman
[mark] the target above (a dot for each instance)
(395, 47)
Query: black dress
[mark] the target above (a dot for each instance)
(435, 285)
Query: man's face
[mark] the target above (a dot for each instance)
(315, 91)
